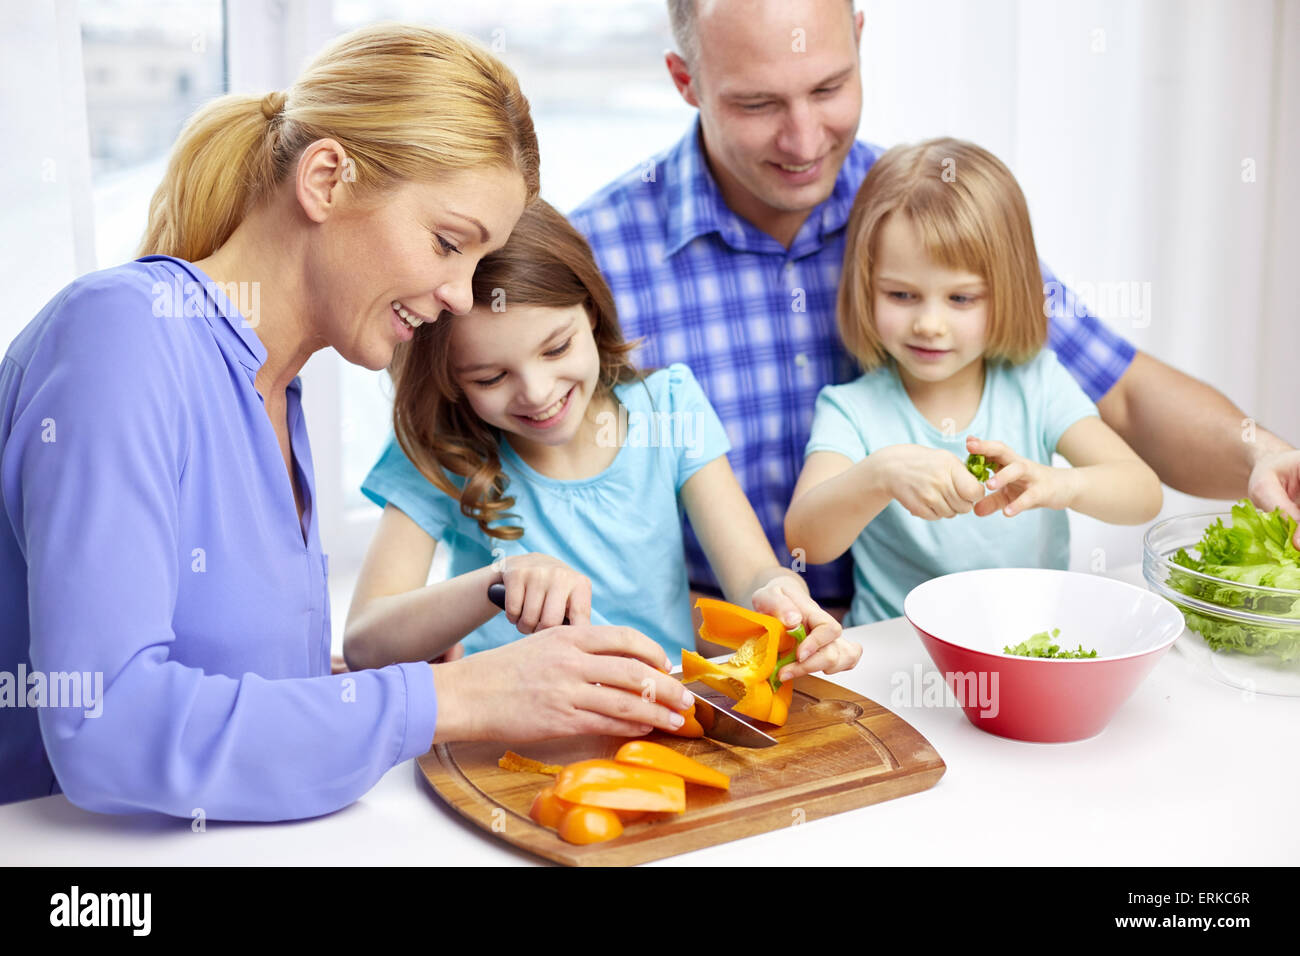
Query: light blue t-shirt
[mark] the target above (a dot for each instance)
(621, 528)
(1027, 407)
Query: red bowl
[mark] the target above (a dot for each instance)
(965, 619)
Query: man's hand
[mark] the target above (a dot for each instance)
(1275, 483)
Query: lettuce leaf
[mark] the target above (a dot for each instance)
(1256, 550)
(1041, 645)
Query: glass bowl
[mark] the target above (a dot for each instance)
(1246, 636)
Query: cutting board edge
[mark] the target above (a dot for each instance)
(822, 802)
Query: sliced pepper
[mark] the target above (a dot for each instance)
(584, 824)
(548, 809)
(643, 753)
(692, 726)
(615, 786)
(781, 704)
(748, 677)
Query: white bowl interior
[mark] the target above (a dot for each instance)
(988, 609)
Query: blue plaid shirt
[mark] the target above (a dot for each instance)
(756, 321)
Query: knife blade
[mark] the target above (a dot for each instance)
(719, 723)
(725, 727)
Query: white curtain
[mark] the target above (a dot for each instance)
(1152, 141)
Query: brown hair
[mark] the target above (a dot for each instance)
(405, 102)
(971, 215)
(545, 262)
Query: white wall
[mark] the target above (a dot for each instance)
(1127, 125)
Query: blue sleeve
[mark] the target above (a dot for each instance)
(1062, 400)
(703, 438)
(1096, 356)
(835, 428)
(94, 454)
(395, 480)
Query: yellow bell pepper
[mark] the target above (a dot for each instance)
(749, 676)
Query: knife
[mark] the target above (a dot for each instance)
(719, 723)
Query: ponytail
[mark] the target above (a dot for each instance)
(405, 102)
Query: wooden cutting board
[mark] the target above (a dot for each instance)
(838, 751)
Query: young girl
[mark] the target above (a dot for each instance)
(942, 303)
(528, 445)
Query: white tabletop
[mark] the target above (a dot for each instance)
(1190, 771)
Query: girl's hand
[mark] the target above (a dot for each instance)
(929, 482)
(563, 682)
(823, 649)
(541, 591)
(1021, 483)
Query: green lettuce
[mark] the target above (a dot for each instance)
(1257, 550)
(1041, 645)
(981, 468)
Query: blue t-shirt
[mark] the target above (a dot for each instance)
(622, 528)
(1027, 407)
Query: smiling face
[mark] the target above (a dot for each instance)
(531, 371)
(780, 96)
(931, 318)
(414, 249)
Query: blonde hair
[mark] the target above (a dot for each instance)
(405, 102)
(971, 215)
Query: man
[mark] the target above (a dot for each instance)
(725, 252)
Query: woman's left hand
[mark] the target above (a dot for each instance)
(1021, 483)
(823, 649)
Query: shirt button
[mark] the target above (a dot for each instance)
(789, 267)
(801, 360)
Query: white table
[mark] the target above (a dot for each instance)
(1190, 772)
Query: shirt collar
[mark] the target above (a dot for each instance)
(226, 321)
(695, 206)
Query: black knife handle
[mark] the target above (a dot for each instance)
(497, 595)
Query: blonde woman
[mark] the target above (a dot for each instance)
(160, 538)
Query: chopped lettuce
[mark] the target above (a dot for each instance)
(1041, 645)
(980, 467)
(1257, 550)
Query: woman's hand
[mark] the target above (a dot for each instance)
(541, 591)
(561, 682)
(1021, 483)
(929, 482)
(823, 649)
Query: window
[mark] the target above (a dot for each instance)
(148, 65)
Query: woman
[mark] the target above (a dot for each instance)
(161, 540)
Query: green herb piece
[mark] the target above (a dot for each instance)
(980, 467)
